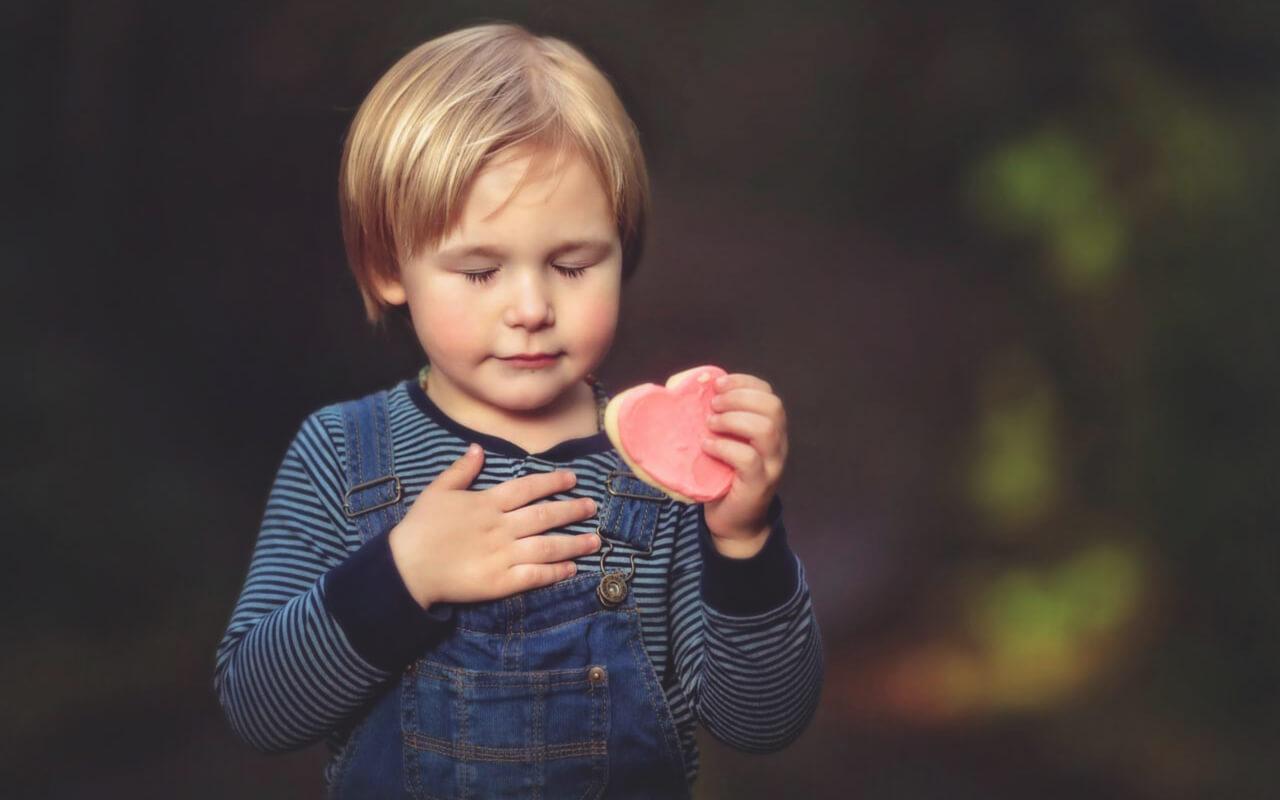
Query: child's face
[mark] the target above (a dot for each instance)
(468, 324)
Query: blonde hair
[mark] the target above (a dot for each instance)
(448, 107)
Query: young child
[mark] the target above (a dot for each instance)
(425, 591)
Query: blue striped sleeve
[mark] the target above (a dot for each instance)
(752, 672)
(287, 673)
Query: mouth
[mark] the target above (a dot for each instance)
(532, 360)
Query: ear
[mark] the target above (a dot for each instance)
(391, 290)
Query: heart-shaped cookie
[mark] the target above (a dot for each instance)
(658, 430)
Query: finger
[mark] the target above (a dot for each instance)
(746, 399)
(530, 576)
(548, 515)
(553, 547)
(744, 458)
(740, 380)
(521, 491)
(462, 472)
(757, 429)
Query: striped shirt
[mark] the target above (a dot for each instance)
(324, 621)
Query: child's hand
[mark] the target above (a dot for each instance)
(456, 545)
(754, 442)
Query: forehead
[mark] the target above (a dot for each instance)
(534, 187)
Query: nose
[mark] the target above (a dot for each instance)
(530, 306)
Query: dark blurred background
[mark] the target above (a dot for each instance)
(1012, 268)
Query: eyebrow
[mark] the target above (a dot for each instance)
(492, 251)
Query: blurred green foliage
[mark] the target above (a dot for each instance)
(1048, 187)
(1014, 474)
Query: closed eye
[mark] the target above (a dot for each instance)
(487, 275)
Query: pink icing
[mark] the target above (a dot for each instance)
(662, 431)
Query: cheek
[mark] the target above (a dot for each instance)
(600, 320)
(443, 327)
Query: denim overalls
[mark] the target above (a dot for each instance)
(545, 694)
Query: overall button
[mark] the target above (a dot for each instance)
(596, 675)
(612, 589)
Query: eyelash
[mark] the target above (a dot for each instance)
(486, 276)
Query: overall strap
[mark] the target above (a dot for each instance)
(374, 495)
(628, 517)
(629, 512)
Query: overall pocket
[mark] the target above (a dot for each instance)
(481, 734)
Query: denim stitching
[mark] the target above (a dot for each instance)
(409, 723)
(535, 734)
(588, 615)
(484, 753)
(600, 729)
(462, 677)
(358, 472)
(464, 729)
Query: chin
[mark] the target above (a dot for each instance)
(532, 398)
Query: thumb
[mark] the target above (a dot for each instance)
(462, 472)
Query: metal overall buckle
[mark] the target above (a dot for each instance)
(396, 495)
(613, 587)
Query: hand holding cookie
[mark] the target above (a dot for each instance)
(750, 424)
(708, 437)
